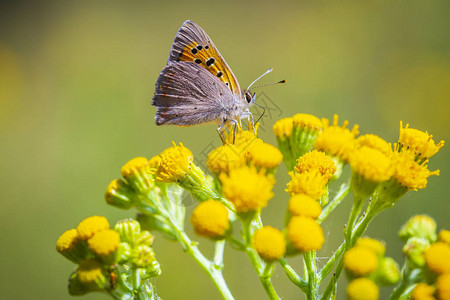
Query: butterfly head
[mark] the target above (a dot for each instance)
(249, 97)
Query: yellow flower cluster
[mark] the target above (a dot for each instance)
(175, 164)
(362, 289)
(419, 143)
(269, 242)
(210, 219)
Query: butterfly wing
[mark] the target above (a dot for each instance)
(187, 94)
(192, 44)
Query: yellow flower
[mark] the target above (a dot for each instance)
(305, 234)
(269, 243)
(247, 189)
(265, 156)
(409, 173)
(154, 162)
(418, 142)
(304, 205)
(210, 219)
(316, 160)
(133, 166)
(67, 240)
(371, 164)
(444, 236)
(283, 128)
(310, 183)
(443, 286)
(89, 226)
(175, 163)
(423, 291)
(437, 258)
(360, 261)
(243, 139)
(373, 245)
(375, 142)
(90, 271)
(335, 140)
(307, 121)
(105, 242)
(362, 289)
(120, 194)
(224, 158)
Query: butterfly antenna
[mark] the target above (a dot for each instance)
(267, 84)
(265, 73)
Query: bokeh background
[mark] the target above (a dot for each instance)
(77, 78)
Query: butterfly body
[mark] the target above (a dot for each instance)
(197, 86)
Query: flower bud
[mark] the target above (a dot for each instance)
(142, 256)
(388, 272)
(89, 277)
(138, 174)
(414, 250)
(120, 194)
(420, 226)
(128, 230)
(70, 245)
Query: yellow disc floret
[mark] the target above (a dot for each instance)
(374, 245)
(138, 163)
(337, 141)
(360, 261)
(105, 242)
(247, 189)
(371, 164)
(311, 183)
(375, 142)
(90, 271)
(264, 155)
(224, 158)
(437, 258)
(444, 236)
(175, 164)
(305, 234)
(283, 128)
(423, 291)
(443, 286)
(316, 160)
(89, 226)
(269, 243)
(67, 240)
(304, 205)
(418, 142)
(362, 289)
(210, 219)
(307, 121)
(409, 173)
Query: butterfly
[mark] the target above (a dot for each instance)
(197, 85)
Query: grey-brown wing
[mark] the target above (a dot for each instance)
(187, 94)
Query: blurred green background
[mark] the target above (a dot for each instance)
(76, 79)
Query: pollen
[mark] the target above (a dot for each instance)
(360, 261)
(316, 160)
(437, 258)
(362, 289)
(210, 219)
(305, 234)
(418, 142)
(89, 271)
(105, 242)
(175, 164)
(311, 183)
(304, 205)
(265, 156)
(269, 243)
(89, 226)
(283, 128)
(224, 158)
(67, 240)
(371, 164)
(411, 174)
(247, 188)
(337, 140)
(375, 142)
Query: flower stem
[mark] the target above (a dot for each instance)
(293, 276)
(311, 267)
(343, 191)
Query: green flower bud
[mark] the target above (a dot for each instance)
(129, 230)
(414, 250)
(145, 238)
(120, 194)
(142, 256)
(139, 174)
(89, 277)
(420, 226)
(123, 252)
(388, 272)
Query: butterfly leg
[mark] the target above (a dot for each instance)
(221, 129)
(250, 117)
(236, 122)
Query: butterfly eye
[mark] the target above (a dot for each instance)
(248, 97)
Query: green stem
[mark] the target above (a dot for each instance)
(256, 261)
(410, 277)
(328, 267)
(293, 276)
(311, 267)
(356, 209)
(343, 191)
